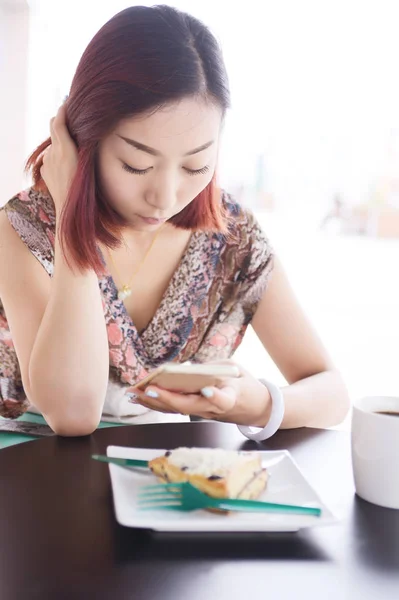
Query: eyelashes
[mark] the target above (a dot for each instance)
(197, 171)
(144, 171)
(135, 171)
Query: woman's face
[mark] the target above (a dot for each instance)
(151, 167)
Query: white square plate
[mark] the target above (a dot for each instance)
(286, 485)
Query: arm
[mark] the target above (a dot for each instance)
(316, 395)
(59, 333)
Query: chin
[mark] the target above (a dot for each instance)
(138, 225)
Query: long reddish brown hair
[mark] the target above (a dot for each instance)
(140, 60)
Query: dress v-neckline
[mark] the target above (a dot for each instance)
(168, 331)
(165, 297)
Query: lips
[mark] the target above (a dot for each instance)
(152, 221)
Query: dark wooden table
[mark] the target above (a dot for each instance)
(59, 538)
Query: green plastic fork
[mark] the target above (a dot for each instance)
(185, 497)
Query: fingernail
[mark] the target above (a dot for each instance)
(207, 392)
(151, 394)
(132, 398)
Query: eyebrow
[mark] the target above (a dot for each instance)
(153, 152)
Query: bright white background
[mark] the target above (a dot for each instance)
(314, 86)
(315, 100)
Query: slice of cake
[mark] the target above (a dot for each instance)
(216, 472)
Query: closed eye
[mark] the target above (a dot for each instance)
(135, 171)
(144, 171)
(197, 171)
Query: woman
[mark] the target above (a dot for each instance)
(125, 255)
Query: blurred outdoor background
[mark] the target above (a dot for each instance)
(311, 144)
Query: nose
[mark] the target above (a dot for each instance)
(163, 195)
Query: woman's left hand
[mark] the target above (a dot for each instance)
(242, 400)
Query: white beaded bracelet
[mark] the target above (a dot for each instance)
(276, 416)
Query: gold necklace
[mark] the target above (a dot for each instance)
(125, 291)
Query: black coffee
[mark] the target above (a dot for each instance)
(389, 413)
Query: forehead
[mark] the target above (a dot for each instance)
(177, 128)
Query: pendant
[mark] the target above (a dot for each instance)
(124, 293)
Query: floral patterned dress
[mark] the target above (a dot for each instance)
(203, 314)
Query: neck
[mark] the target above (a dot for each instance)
(132, 236)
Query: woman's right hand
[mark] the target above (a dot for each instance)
(60, 160)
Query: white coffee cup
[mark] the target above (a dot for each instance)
(375, 450)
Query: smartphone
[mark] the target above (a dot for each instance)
(188, 379)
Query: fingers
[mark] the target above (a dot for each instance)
(55, 126)
(45, 153)
(221, 400)
(58, 129)
(52, 131)
(61, 115)
(159, 408)
(165, 401)
(45, 156)
(212, 403)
